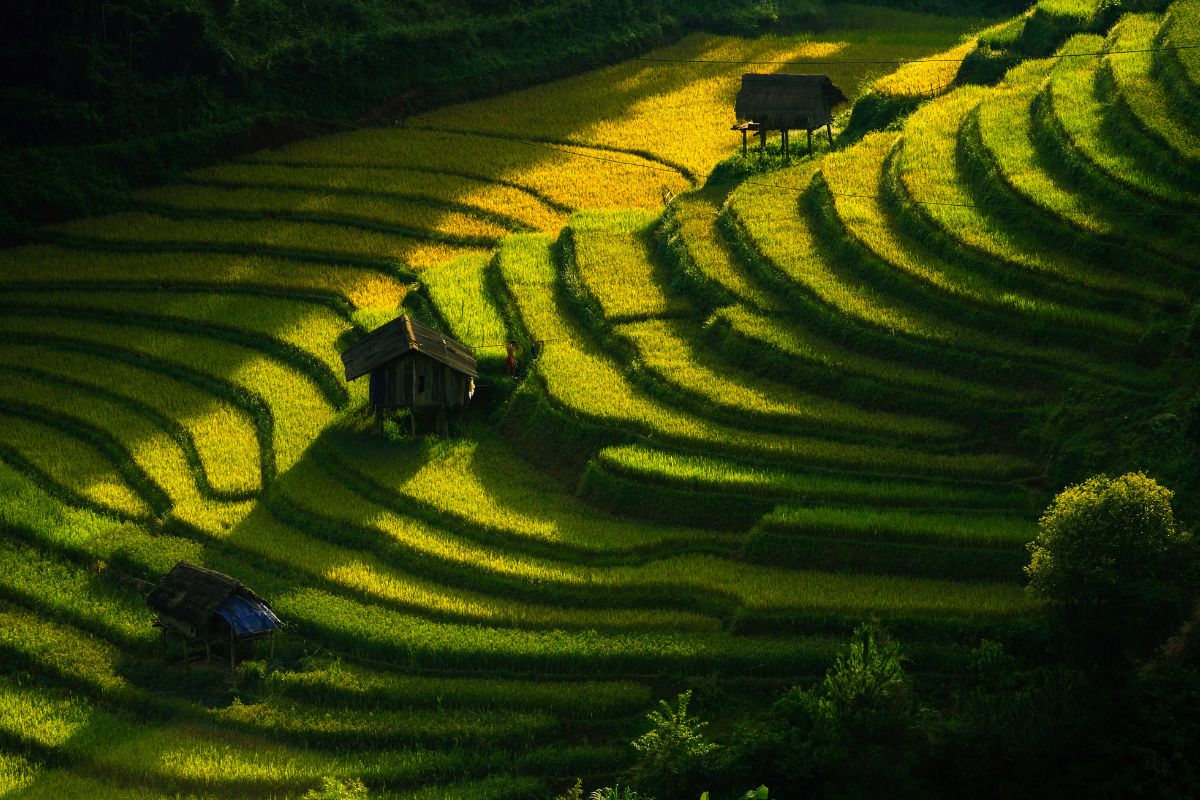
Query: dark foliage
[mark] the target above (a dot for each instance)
(99, 95)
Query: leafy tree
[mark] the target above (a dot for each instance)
(1111, 559)
(856, 734)
(673, 756)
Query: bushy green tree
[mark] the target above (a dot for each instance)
(673, 756)
(1110, 556)
(856, 734)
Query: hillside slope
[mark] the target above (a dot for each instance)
(801, 396)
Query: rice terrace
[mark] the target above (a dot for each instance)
(503, 400)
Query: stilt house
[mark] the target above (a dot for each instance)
(209, 607)
(786, 103)
(412, 366)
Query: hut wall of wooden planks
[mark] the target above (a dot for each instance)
(415, 366)
(785, 103)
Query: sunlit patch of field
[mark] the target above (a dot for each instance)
(780, 405)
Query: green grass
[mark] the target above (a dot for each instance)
(706, 473)
(753, 587)
(298, 409)
(581, 379)
(801, 346)
(70, 462)
(220, 436)
(481, 484)
(926, 168)
(694, 239)
(776, 230)
(1080, 112)
(856, 181)
(669, 352)
(1179, 70)
(459, 291)
(348, 685)
(64, 591)
(612, 254)
(930, 527)
(1006, 126)
(1131, 76)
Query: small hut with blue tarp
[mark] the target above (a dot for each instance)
(210, 607)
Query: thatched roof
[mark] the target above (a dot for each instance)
(794, 102)
(399, 338)
(205, 604)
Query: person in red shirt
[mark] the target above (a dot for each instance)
(511, 361)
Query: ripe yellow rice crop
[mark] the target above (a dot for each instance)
(37, 263)
(572, 177)
(497, 198)
(300, 411)
(224, 437)
(331, 243)
(654, 107)
(925, 78)
(71, 463)
(388, 212)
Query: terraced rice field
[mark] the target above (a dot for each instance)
(773, 408)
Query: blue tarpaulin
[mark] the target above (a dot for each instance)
(247, 617)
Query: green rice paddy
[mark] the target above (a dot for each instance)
(755, 408)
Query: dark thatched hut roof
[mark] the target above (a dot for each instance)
(203, 604)
(787, 102)
(400, 337)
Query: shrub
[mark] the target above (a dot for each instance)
(334, 789)
(617, 793)
(1110, 556)
(673, 756)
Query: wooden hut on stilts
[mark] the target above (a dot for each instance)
(208, 607)
(785, 103)
(413, 366)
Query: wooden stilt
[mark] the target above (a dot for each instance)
(810, 142)
(829, 130)
(743, 142)
(232, 656)
(187, 665)
(787, 154)
(762, 139)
